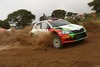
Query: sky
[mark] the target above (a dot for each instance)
(38, 7)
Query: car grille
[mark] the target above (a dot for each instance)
(77, 31)
(79, 36)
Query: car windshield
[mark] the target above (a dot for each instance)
(59, 23)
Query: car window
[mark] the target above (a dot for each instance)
(45, 26)
(59, 23)
(38, 26)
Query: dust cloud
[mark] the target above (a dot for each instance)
(22, 38)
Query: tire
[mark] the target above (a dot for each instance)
(56, 41)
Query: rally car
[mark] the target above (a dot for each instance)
(63, 31)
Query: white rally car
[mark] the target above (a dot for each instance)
(63, 31)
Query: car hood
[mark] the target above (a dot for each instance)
(71, 27)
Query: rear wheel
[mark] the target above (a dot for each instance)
(57, 42)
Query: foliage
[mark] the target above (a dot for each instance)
(1, 23)
(69, 14)
(4, 24)
(44, 17)
(96, 5)
(59, 14)
(74, 21)
(21, 18)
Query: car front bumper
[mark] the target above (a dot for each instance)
(73, 37)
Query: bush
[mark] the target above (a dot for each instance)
(74, 21)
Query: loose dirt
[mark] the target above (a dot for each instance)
(19, 49)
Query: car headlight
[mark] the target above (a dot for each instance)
(65, 32)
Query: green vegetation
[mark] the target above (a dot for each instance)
(96, 5)
(44, 17)
(4, 24)
(18, 19)
(21, 18)
(58, 14)
(75, 21)
(92, 17)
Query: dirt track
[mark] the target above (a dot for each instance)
(79, 54)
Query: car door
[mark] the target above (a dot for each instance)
(40, 27)
(45, 26)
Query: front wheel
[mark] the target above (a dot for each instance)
(57, 42)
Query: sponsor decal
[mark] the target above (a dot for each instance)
(39, 30)
(71, 27)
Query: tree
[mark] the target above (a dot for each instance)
(59, 13)
(74, 14)
(96, 5)
(69, 14)
(21, 18)
(1, 22)
(44, 17)
(4, 24)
